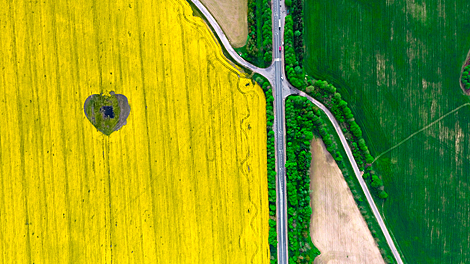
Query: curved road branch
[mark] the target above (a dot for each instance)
(282, 89)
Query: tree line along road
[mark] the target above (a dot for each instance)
(282, 89)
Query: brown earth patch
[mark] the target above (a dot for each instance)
(337, 227)
(232, 18)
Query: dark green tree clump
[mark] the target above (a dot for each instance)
(267, 33)
(294, 44)
(251, 47)
(258, 48)
(330, 97)
(297, 12)
(327, 94)
(466, 78)
(303, 116)
(299, 117)
(294, 70)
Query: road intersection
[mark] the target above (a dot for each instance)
(279, 133)
(281, 89)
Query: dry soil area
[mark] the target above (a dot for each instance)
(232, 18)
(337, 227)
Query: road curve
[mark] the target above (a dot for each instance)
(282, 89)
(357, 172)
(273, 75)
(267, 73)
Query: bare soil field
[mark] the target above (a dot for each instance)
(232, 18)
(337, 227)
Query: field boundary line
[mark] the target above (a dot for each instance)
(419, 131)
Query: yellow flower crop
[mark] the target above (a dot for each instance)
(183, 182)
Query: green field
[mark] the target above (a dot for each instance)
(397, 64)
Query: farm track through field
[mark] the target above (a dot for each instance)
(419, 131)
(282, 89)
(398, 64)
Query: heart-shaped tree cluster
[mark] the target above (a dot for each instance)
(108, 113)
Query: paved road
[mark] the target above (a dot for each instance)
(282, 89)
(279, 132)
(268, 73)
(273, 75)
(357, 172)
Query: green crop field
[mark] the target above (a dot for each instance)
(397, 64)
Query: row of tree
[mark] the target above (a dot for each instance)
(271, 165)
(294, 48)
(327, 94)
(294, 54)
(298, 135)
(466, 77)
(294, 71)
(297, 13)
(251, 47)
(258, 48)
(267, 30)
(310, 114)
(332, 99)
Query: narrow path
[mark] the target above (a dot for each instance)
(419, 131)
(281, 89)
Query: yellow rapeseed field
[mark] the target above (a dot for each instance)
(183, 182)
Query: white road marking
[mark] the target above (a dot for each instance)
(270, 74)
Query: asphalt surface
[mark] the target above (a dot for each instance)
(358, 174)
(279, 126)
(273, 75)
(267, 73)
(282, 89)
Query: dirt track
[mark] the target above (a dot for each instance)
(337, 227)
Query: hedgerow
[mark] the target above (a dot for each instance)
(298, 135)
(258, 48)
(328, 95)
(308, 118)
(466, 78)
